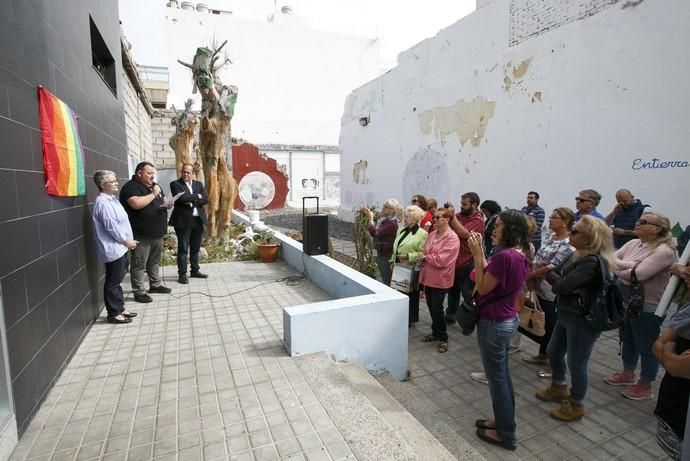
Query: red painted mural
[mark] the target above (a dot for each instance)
(246, 159)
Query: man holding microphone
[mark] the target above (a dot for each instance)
(146, 208)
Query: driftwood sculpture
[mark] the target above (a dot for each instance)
(217, 108)
(183, 140)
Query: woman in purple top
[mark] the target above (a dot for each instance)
(384, 235)
(498, 285)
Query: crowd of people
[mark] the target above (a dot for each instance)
(488, 260)
(481, 259)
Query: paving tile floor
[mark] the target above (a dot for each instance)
(614, 427)
(193, 377)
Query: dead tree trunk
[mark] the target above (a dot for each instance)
(221, 187)
(217, 108)
(182, 141)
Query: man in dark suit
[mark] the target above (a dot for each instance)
(188, 218)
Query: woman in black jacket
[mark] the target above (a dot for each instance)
(574, 284)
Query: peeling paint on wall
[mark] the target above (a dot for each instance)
(468, 120)
(514, 74)
(521, 69)
(359, 172)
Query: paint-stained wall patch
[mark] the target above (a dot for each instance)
(467, 119)
(427, 173)
(359, 172)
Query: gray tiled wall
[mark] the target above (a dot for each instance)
(50, 280)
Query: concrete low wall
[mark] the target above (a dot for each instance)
(365, 323)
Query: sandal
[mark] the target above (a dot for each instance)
(429, 338)
(544, 374)
(536, 360)
(442, 347)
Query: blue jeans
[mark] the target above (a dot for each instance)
(385, 269)
(639, 334)
(494, 337)
(574, 337)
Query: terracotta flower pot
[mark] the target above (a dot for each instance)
(268, 253)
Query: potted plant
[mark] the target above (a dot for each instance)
(267, 245)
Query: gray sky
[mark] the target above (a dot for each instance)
(399, 23)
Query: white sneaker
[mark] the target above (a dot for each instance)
(479, 377)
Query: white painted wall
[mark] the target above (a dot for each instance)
(574, 107)
(292, 80)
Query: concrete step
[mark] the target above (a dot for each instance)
(374, 425)
(422, 409)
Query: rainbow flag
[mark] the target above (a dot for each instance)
(63, 157)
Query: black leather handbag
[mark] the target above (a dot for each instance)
(635, 295)
(467, 317)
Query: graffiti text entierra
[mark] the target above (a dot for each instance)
(655, 163)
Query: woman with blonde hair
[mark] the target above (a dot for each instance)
(384, 235)
(407, 248)
(650, 257)
(575, 284)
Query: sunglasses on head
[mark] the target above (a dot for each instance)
(642, 222)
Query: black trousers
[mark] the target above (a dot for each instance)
(112, 289)
(434, 299)
(413, 305)
(189, 241)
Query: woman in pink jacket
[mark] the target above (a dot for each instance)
(438, 270)
(651, 255)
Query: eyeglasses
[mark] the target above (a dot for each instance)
(574, 231)
(414, 200)
(437, 217)
(578, 199)
(642, 222)
(555, 216)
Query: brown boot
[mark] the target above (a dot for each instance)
(569, 411)
(553, 393)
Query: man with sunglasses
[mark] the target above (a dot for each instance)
(624, 215)
(586, 203)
